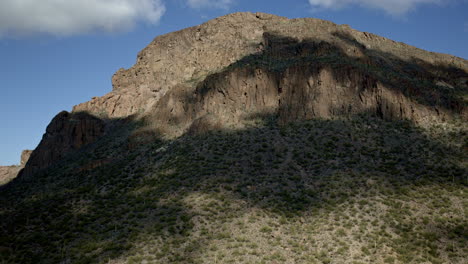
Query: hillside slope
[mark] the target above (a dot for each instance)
(254, 138)
(359, 190)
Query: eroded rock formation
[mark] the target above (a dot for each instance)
(236, 67)
(304, 79)
(178, 57)
(190, 55)
(66, 132)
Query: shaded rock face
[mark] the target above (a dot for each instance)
(307, 79)
(297, 94)
(65, 133)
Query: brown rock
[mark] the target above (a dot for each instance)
(186, 57)
(25, 157)
(66, 132)
(225, 72)
(286, 80)
(7, 173)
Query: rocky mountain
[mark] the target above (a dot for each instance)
(254, 138)
(222, 72)
(218, 48)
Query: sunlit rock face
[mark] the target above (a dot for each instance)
(230, 69)
(188, 56)
(8, 173)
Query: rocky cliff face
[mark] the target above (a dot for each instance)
(228, 70)
(190, 55)
(65, 133)
(25, 155)
(178, 57)
(309, 78)
(9, 172)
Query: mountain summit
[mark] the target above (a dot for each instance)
(253, 138)
(276, 47)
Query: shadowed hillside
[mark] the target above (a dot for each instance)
(316, 191)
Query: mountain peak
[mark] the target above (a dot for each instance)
(189, 55)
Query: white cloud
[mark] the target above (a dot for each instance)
(197, 4)
(68, 17)
(393, 7)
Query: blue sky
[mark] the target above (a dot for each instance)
(55, 54)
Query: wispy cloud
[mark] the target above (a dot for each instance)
(69, 17)
(393, 7)
(221, 4)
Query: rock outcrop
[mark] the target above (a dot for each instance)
(65, 133)
(183, 56)
(190, 55)
(233, 68)
(8, 173)
(25, 155)
(304, 79)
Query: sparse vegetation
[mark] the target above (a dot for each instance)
(322, 191)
